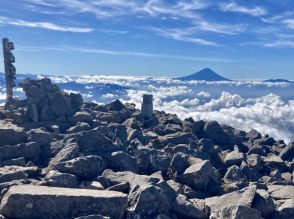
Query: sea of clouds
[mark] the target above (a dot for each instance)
(264, 106)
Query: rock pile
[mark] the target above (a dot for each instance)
(83, 160)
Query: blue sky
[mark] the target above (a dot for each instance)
(239, 39)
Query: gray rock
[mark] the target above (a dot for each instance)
(15, 162)
(11, 134)
(233, 158)
(180, 162)
(69, 151)
(80, 127)
(183, 208)
(215, 132)
(178, 138)
(216, 205)
(281, 191)
(288, 152)
(136, 134)
(234, 173)
(147, 201)
(264, 203)
(122, 161)
(57, 179)
(27, 150)
(132, 123)
(239, 212)
(81, 117)
(86, 168)
(285, 210)
(53, 202)
(10, 173)
(114, 178)
(198, 175)
(76, 100)
(59, 104)
(253, 134)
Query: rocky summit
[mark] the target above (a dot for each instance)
(61, 157)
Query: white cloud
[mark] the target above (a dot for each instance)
(123, 53)
(43, 25)
(234, 7)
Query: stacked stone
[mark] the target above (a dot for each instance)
(46, 102)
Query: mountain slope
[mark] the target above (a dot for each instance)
(205, 74)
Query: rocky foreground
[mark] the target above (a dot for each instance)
(63, 158)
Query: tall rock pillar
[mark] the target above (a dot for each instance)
(10, 70)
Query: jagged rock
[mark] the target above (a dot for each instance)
(198, 175)
(285, 210)
(91, 185)
(10, 173)
(216, 205)
(180, 162)
(178, 138)
(87, 168)
(11, 134)
(110, 178)
(80, 127)
(281, 191)
(57, 179)
(69, 151)
(27, 150)
(136, 134)
(233, 158)
(115, 106)
(132, 123)
(239, 212)
(215, 132)
(234, 173)
(288, 152)
(183, 208)
(81, 117)
(253, 134)
(264, 203)
(146, 201)
(122, 161)
(93, 141)
(52, 202)
(123, 187)
(15, 162)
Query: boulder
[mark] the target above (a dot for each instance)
(21, 161)
(239, 212)
(11, 134)
(233, 158)
(27, 150)
(264, 203)
(199, 175)
(220, 204)
(218, 134)
(59, 104)
(86, 168)
(178, 138)
(288, 152)
(81, 117)
(10, 173)
(69, 151)
(146, 201)
(80, 127)
(281, 191)
(57, 179)
(183, 208)
(29, 201)
(122, 161)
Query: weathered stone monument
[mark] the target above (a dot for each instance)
(147, 106)
(10, 70)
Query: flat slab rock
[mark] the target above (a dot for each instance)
(27, 201)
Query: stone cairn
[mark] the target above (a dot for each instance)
(64, 158)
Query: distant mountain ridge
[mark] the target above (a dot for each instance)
(205, 74)
(278, 81)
